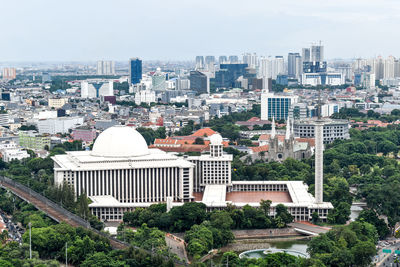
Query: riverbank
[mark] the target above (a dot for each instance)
(240, 245)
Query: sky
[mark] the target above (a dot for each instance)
(89, 30)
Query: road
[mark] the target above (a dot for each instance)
(385, 259)
(14, 232)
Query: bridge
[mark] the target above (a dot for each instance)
(59, 214)
(53, 210)
(307, 228)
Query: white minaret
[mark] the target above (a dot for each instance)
(273, 131)
(319, 161)
(319, 156)
(288, 131)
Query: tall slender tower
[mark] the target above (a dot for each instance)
(319, 155)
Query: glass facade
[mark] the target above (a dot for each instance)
(135, 70)
(278, 108)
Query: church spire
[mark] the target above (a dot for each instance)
(273, 131)
(288, 131)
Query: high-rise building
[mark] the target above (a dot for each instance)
(250, 59)
(9, 73)
(265, 67)
(228, 74)
(222, 60)
(233, 59)
(305, 54)
(199, 82)
(210, 64)
(278, 67)
(97, 88)
(293, 64)
(105, 67)
(158, 80)
(135, 70)
(317, 53)
(199, 62)
(276, 106)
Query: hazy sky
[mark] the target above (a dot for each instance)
(48, 30)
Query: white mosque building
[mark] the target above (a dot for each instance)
(121, 173)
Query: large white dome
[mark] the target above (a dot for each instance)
(120, 141)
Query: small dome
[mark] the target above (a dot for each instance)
(120, 141)
(216, 139)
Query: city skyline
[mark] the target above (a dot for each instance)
(91, 31)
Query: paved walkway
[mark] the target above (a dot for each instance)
(177, 246)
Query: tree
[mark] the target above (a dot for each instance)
(199, 141)
(83, 206)
(282, 212)
(230, 259)
(100, 259)
(315, 217)
(265, 205)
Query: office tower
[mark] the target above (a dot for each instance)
(210, 64)
(388, 68)
(317, 53)
(305, 54)
(265, 67)
(276, 105)
(135, 70)
(299, 67)
(278, 67)
(158, 80)
(199, 82)
(250, 60)
(222, 60)
(319, 159)
(97, 88)
(233, 59)
(199, 62)
(228, 74)
(293, 64)
(377, 67)
(105, 67)
(9, 73)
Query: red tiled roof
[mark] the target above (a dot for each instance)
(265, 137)
(310, 141)
(253, 119)
(204, 132)
(258, 149)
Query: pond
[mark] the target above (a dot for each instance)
(293, 247)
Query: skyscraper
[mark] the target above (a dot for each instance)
(199, 62)
(222, 60)
(9, 73)
(105, 67)
(305, 54)
(293, 59)
(278, 66)
(233, 59)
(199, 82)
(250, 60)
(210, 61)
(317, 53)
(135, 70)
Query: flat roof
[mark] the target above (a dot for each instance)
(257, 196)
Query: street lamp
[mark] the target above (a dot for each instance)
(30, 240)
